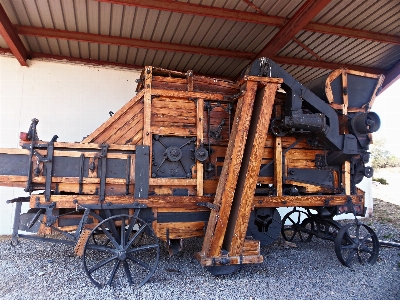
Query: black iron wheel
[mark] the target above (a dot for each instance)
(292, 227)
(222, 270)
(328, 229)
(356, 242)
(127, 250)
(264, 225)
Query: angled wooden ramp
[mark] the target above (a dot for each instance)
(224, 242)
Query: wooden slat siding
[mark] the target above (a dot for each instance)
(168, 190)
(135, 128)
(119, 114)
(305, 201)
(261, 120)
(199, 142)
(227, 183)
(147, 107)
(173, 112)
(251, 247)
(136, 115)
(177, 131)
(186, 95)
(160, 105)
(137, 139)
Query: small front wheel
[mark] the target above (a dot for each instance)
(356, 242)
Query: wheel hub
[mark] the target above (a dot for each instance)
(122, 255)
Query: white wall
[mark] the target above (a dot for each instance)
(69, 100)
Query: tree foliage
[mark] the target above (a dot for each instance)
(381, 157)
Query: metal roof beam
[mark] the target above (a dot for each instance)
(250, 17)
(129, 42)
(300, 19)
(391, 76)
(120, 41)
(324, 65)
(12, 39)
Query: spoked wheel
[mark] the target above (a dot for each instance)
(356, 242)
(293, 232)
(127, 250)
(328, 229)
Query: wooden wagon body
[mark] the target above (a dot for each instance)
(198, 156)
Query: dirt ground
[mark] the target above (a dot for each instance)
(387, 197)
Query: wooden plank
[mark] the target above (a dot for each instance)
(199, 143)
(251, 165)
(232, 260)
(175, 131)
(172, 181)
(147, 107)
(278, 166)
(186, 95)
(119, 114)
(305, 201)
(136, 116)
(68, 201)
(136, 128)
(180, 230)
(227, 183)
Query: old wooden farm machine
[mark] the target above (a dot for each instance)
(192, 156)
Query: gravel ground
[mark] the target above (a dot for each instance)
(36, 270)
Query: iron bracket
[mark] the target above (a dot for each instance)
(208, 205)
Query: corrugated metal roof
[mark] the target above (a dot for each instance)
(107, 19)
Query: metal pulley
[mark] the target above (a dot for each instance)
(201, 154)
(363, 123)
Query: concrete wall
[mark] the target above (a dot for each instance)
(69, 100)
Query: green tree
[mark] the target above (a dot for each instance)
(381, 157)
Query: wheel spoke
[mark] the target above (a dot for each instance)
(351, 246)
(114, 231)
(109, 235)
(139, 262)
(113, 272)
(141, 229)
(145, 247)
(128, 272)
(100, 264)
(130, 228)
(350, 257)
(123, 233)
(293, 222)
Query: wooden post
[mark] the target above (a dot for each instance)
(346, 166)
(147, 108)
(250, 168)
(227, 227)
(227, 182)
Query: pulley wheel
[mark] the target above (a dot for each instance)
(264, 225)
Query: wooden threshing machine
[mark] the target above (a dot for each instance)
(192, 156)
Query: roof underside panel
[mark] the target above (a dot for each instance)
(106, 19)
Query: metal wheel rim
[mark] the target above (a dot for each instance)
(112, 264)
(362, 247)
(294, 227)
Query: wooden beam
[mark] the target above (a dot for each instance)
(128, 42)
(250, 17)
(300, 19)
(12, 39)
(391, 76)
